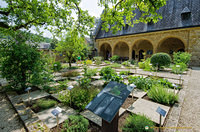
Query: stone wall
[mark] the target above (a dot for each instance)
(187, 38)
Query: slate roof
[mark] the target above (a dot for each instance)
(172, 19)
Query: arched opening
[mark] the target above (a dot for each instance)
(121, 49)
(141, 55)
(143, 46)
(105, 51)
(133, 54)
(171, 45)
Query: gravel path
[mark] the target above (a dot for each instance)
(190, 114)
(9, 121)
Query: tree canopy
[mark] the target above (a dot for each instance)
(58, 14)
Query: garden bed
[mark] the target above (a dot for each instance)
(129, 101)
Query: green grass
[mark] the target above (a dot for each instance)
(116, 65)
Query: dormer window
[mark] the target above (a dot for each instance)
(126, 27)
(150, 22)
(185, 14)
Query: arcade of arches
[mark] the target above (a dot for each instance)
(133, 46)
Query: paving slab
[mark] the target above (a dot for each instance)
(172, 90)
(54, 84)
(121, 111)
(57, 74)
(138, 93)
(96, 77)
(148, 108)
(92, 117)
(50, 120)
(34, 95)
(72, 83)
(56, 95)
(59, 78)
(98, 83)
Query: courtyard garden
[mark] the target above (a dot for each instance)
(72, 87)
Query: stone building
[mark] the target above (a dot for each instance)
(179, 30)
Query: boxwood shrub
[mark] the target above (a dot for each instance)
(160, 59)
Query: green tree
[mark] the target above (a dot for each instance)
(71, 46)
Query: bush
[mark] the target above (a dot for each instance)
(116, 78)
(161, 95)
(71, 73)
(160, 59)
(147, 66)
(57, 66)
(73, 67)
(98, 60)
(88, 62)
(107, 73)
(132, 62)
(126, 63)
(75, 123)
(137, 123)
(124, 72)
(181, 57)
(114, 58)
(179, 68)
(79, 97)
(84, 82)
(141, 65)
(22, 64)
(44, 104)
(107, 62)
(115, 65)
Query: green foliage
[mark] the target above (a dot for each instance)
(124, 72)
(91, 72)
(79, 97)
(181, 57)
(137, 123)
(117, 79)
(115, 65)
(22, 64)
(49, 89)
(107, 62)
(57, 66)
(114, 58)
(44, 104)
(62, 85)
(165, 83)
(141, 82)
(71, 73)
(141, 65)
(126, 63)
(71, 45)
(161, 95)
(97, 60)
(84, 82)
(107, 73)
(179, 68)
(147, 65)
(75, 123)
(160, 59)
(132, 62)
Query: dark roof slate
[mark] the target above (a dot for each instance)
(172, 19)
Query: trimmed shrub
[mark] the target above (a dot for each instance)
(90, 72)
(107, 62)
(161, 95)
(57, 66)
(75, 123)
(137, 123)
(114, 58)
(88, 62)
(132, 62)
(141, 65)
(71, 73)
(182, 57)
(160, 59)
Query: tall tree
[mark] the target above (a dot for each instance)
(71, 45)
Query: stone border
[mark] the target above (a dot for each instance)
(174, 114)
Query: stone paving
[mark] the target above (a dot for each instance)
(92, 117)
(148, 108)
(190, 113)
(34, 95)
(138, 93)
(50, 120)
(9, 119)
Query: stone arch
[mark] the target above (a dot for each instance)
(143, 45)
(170, 45)
(122, 49)
(105, 50)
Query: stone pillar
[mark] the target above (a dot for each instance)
(130, 53)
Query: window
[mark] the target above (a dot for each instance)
(185, 14)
